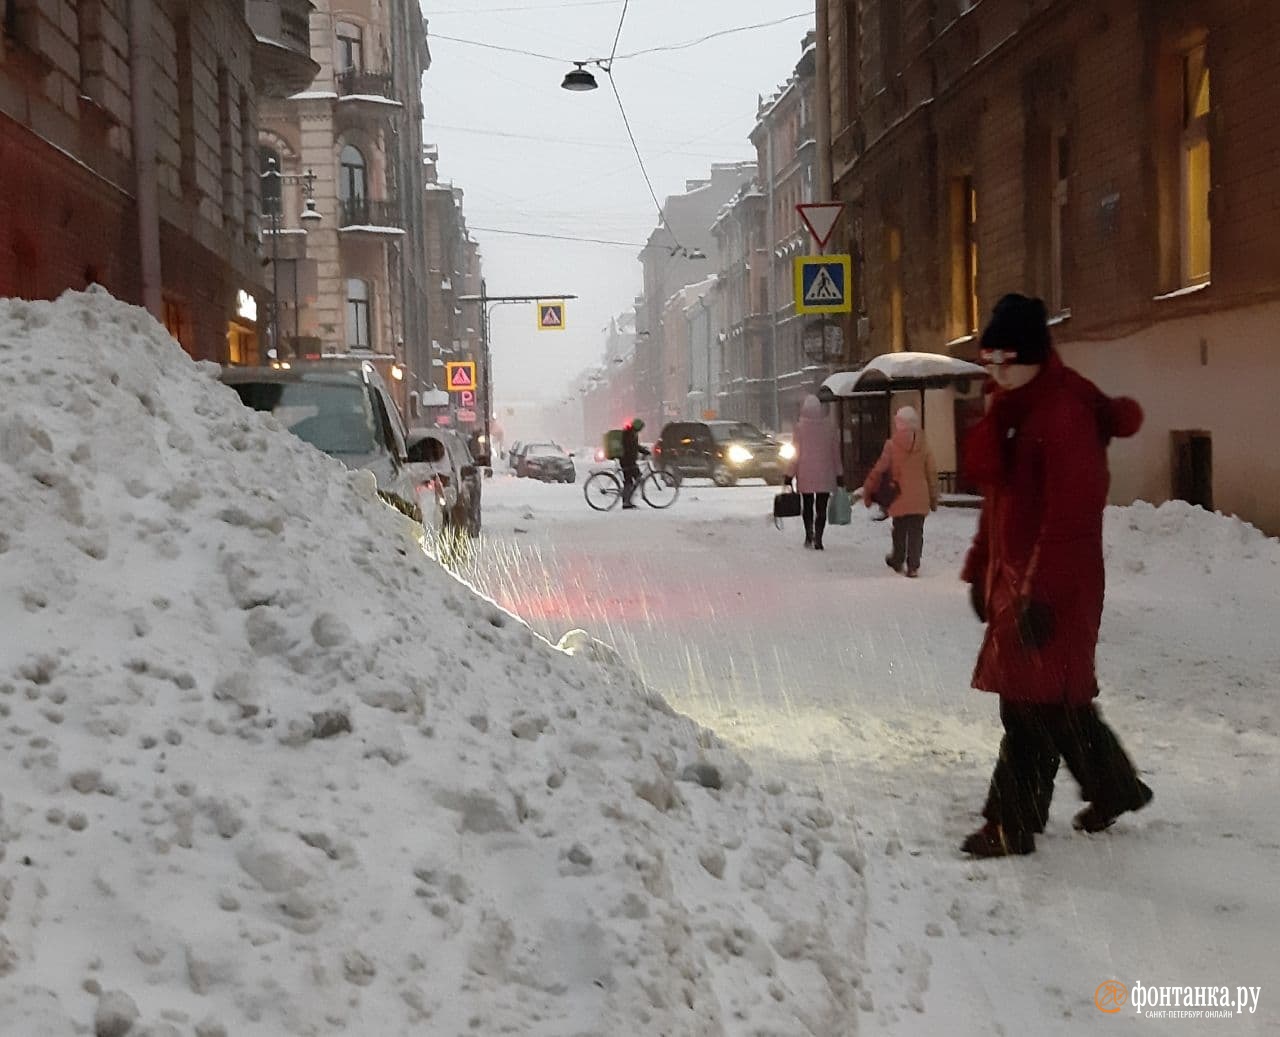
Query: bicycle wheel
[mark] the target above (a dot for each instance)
(602, 490)
(660, 489)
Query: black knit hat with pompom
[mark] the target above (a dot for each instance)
(1020, 326)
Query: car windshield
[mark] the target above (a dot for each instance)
(737, 430)
(544, 450)
(333, 418)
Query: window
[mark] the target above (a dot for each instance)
(176, 322)
(897, 318)
(226, 146)
(351, 178)
(241, 345)
(269, 158)
(350, 56)
(358, 315)
(1195, 168)
(964, 257)
(1060, 167)
(186, 105)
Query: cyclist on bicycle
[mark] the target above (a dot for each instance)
(630, 460)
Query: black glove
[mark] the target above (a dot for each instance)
(840, 481)
(978, 600)
(786, 480)
(1035, 624)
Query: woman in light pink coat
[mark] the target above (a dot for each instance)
(816, 468)
(907, 457)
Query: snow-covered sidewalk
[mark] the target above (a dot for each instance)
(830, 669)
(266, 769)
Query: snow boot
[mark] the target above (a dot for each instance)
(913, 573)
(991, 840)
(888, 560)
(1095, 819)
(808, 540)
(817, 543)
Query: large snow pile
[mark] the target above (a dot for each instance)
(266, 769)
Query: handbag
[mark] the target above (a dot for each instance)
(887, 490)
(839, 507)
(785, 505)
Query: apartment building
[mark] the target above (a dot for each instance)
(128, 155)
(1117, 158)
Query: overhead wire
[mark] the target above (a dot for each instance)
(559, 237)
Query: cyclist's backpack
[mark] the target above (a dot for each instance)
(613, 444)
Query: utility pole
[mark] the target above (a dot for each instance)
(487, 302)
(822, 87)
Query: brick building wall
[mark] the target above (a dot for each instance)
(1072, 123)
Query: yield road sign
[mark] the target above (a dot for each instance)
(821, 219)
(551, 316)
(460, 376)
(823, 284)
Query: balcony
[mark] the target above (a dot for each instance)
(363, 215)
(367, 93)
(282, 62)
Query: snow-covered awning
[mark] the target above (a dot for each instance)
(899, 371)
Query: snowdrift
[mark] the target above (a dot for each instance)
(266, 769)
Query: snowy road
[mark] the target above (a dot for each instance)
(830, 670)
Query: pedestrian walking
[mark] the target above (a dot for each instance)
(907, 459)
(1036, 579)
(816, 468)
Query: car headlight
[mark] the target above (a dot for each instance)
(739, 454)
(787, 451)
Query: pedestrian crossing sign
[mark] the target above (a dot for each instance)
(460, 376)
(551, 316)
(823, 284)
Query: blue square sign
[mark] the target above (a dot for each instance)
(822, 284)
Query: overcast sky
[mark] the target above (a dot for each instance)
(532, 157)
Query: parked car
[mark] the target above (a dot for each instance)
(545, 461)
(448, 468)
(724, 451)
(341, 407)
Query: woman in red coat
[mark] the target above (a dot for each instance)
(1036, 579)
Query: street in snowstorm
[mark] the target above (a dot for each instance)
(831, 671)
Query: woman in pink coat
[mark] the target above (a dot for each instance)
(907, 457)
(816, 468)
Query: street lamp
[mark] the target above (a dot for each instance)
(579, 79)
(310, 214)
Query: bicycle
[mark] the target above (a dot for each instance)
(658, 487)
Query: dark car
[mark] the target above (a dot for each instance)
(545, 461)
(341, 407)
(724, 451)
(458, 474)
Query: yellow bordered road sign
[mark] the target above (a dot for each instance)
(460, 375)
(824, 284)
(551, 316)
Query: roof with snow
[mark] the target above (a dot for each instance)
(891, 371)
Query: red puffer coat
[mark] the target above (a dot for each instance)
(1040, 456)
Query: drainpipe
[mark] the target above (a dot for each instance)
(771, 289)
(822, 103)
(142, 114)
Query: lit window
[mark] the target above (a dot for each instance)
(269, 158)
(897, 320)
(1195, 168)
(964, 256)
(358, 315)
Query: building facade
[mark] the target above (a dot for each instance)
(680, 252)
(357, 274)
(453, 271)
(128, 155)
(1115, 157)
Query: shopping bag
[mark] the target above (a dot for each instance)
(887, 491)
(840, 507)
